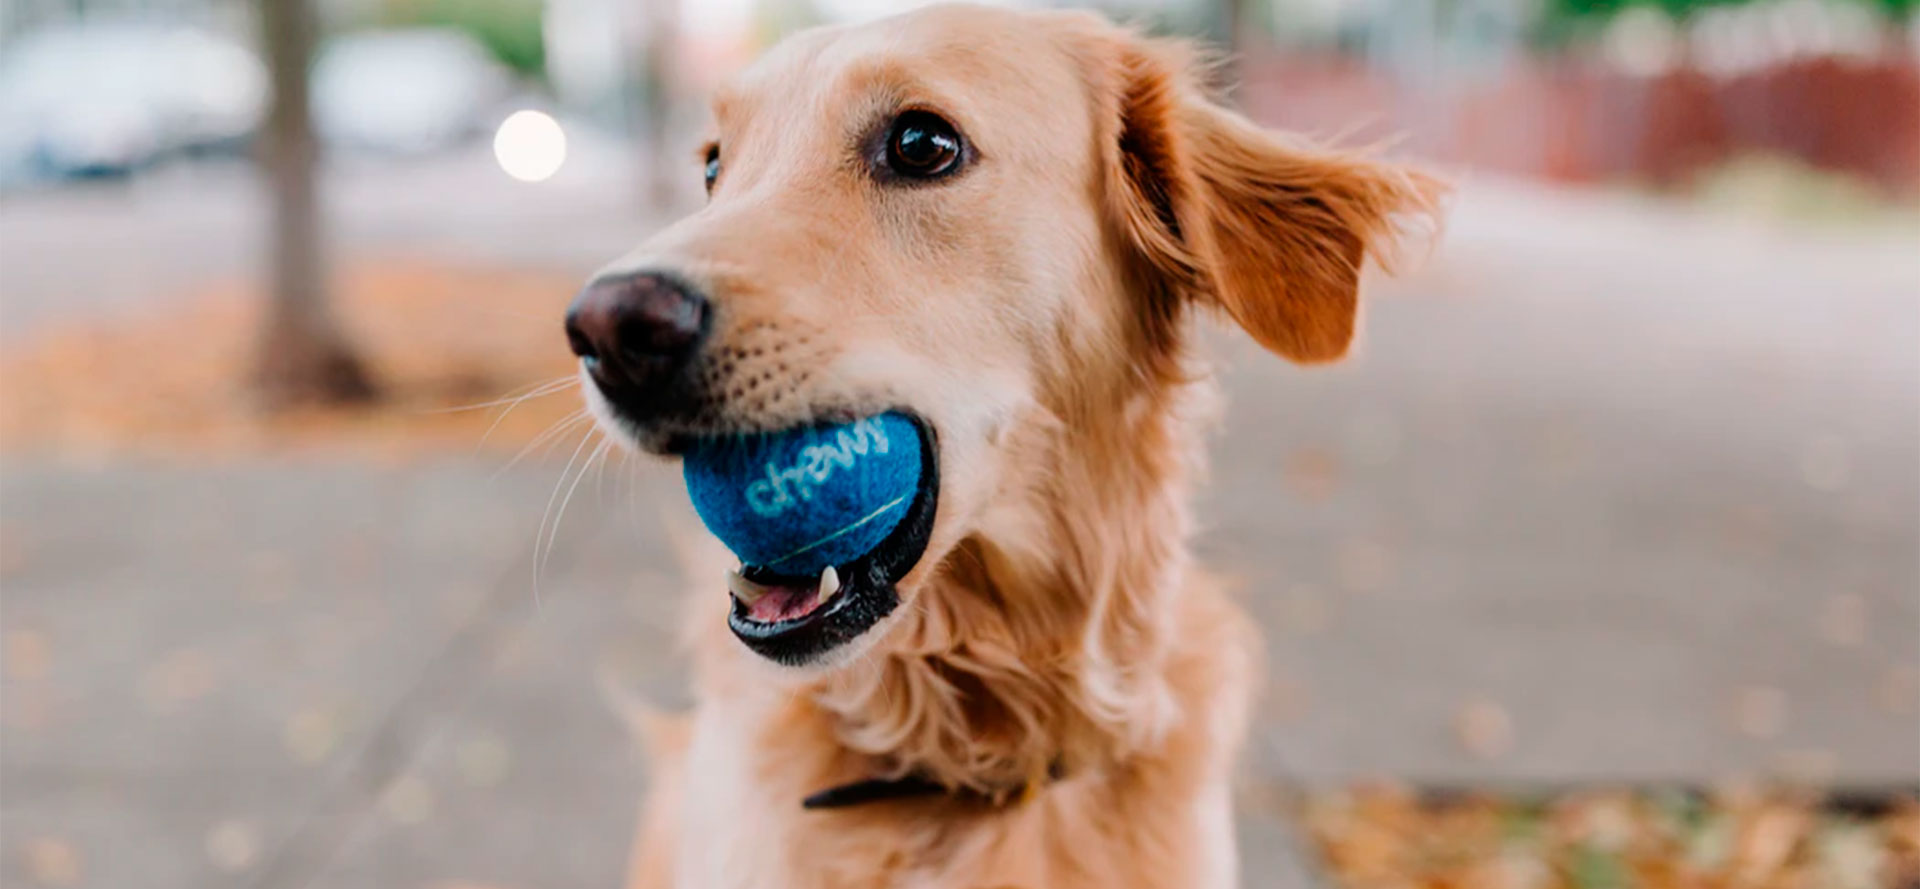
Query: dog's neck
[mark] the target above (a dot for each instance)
(1042, 643)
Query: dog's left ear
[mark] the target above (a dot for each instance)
(1273, 234)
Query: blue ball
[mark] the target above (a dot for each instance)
(801, 499)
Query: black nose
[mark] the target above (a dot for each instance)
(636, 332)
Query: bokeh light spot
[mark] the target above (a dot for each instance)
(530, 146)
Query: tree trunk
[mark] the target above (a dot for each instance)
(666, 170)
(1230, 24)
(303, 357)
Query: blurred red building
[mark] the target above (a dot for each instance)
(1578, 119)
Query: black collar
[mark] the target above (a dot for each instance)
(873, 790)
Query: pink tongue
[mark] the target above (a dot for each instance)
(784, 603)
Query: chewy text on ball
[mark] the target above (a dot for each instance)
(773, 495)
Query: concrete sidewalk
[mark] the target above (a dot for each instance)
(208, 688)
(311, 676)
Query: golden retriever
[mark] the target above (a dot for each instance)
(1003, 224)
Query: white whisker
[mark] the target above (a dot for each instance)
(553, 433)
(541, 532)
(514, 396)
(553, 533)
(600, 475)
(556, 387)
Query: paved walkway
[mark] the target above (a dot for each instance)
(206, 687)
(1632, 499)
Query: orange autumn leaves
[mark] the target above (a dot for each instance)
(1386, 837)
(172, 380)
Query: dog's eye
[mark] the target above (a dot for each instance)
(713, 166)
(922, 145)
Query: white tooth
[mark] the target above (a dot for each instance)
(743, 589)
(829, 583)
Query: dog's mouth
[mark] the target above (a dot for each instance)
(795, 620)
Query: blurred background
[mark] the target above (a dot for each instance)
(1596, 566)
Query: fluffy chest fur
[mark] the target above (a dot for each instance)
(729, 814)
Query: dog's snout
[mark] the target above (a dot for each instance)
(636, 331)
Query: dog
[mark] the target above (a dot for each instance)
(1003, 224)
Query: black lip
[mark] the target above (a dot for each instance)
(867, 592)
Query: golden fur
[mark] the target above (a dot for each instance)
(1037, 310)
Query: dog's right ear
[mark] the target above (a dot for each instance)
(1271, 233)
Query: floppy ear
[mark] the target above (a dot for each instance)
(1273, 234)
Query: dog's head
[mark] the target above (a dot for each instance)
(986, 220)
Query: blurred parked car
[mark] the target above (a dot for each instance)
(406, 92)
(109, 98)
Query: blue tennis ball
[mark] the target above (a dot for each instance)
(801, 499)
